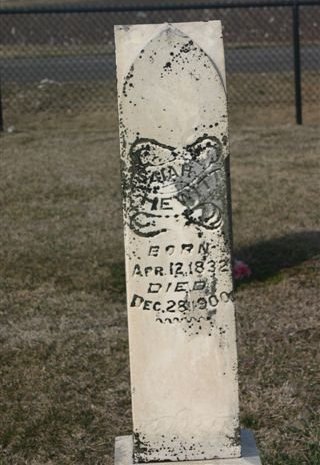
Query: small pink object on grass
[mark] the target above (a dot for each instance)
(241, 270)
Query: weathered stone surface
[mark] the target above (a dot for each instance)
(174, 156)
(249, 456)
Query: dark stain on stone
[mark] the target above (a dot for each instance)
(235, 440)
(141, 448)
(187, 47)
(127, 81)
(172, 449)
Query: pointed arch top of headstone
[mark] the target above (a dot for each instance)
(170, 34)
(143, 34)
(173, 76)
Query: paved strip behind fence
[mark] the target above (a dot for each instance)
(97, 67)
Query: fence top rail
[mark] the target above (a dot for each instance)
(60, 9)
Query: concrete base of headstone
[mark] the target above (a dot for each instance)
(250, 453)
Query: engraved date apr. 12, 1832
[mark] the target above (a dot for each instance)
(178, 283)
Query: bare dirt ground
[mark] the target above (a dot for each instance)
(64, 374)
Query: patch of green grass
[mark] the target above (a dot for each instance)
(117, 279)
(249, 421)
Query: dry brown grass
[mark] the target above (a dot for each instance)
(276, 229)
(64, 358)
(261, 98)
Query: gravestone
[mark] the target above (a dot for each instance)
(176, 203)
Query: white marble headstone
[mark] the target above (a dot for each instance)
(174, 155)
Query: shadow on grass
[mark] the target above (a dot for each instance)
(117, 281)
(268, 258)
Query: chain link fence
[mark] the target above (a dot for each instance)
(59, 60)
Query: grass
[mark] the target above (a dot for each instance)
(261, 98)
(251, 98)
(64, 371)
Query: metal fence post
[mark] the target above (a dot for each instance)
(1, 109)
(297, 60)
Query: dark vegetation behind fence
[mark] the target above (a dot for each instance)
(60, 58)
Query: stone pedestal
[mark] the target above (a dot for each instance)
(249, 456)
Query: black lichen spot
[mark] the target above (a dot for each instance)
(187, 47)
(235, 439)
(140, 448)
